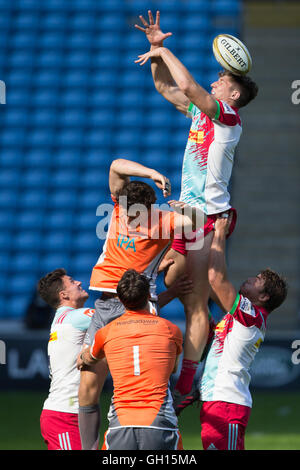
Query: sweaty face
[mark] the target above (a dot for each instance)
(223, 89)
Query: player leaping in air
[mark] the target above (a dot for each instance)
(207, 165)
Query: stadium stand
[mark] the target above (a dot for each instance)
(75, 101)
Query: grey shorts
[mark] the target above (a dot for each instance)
(124, 438)
(106, 310)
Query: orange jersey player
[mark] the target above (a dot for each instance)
(139, 236)
(142, 352)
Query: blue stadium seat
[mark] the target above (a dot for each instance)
(85, 241)
(69, 157)
(29, 241)
(57, 241)
(60, 220)
(5, 241)
(64, 178)
(97, 138)
(38, 158)
(35, 178)
(16, 305)
(8, 198)
(10, 178)
(53, 261)
(24, 263)
(7, 220)
(33, 199)
(30, 220)
(5, 260)
(63, 199)
(11, 157)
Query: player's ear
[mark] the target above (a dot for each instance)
(235, 95)
(263, 297)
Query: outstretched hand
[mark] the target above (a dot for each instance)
(152, 30)
(143, 58)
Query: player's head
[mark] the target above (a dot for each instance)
(133, 290)
(268, 289)
(136, 192)
(236, 90)
(57, 288)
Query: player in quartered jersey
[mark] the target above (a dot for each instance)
(207, 166)
(142, 351)
(224, 385)
(59, 417)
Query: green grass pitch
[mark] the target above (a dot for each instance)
(273, 425)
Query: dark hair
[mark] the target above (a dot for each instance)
(50, 285)
(133, 290)
(248, 87)
(276, 287)
(137, 192)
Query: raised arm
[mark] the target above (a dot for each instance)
(217, 271)
(121, 170)
(163, 80)
(194, 92)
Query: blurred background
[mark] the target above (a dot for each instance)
(75, 100)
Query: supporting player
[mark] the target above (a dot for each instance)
(142, 351)
(215, 132)
(224, 386)
(127, 245)
(59, 418)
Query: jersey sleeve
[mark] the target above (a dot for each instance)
(177, 337)
(246, 313)
(97, 348)
(192, 110)
(226, 114)
(81, 318)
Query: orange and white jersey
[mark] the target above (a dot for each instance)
(141, 351)
(141, 248)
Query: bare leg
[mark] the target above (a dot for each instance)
(177, 269)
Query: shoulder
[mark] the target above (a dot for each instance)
(227, 115)
(247, 313)
(80, 318)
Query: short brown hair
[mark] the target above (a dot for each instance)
(137, 192)
(133, 290)
(248, 87)
(50, 286)
(276, 287)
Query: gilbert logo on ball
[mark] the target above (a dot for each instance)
(232, 54)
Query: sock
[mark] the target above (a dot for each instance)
(187, 374)
(89, 423)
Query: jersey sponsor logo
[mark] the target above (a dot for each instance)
(53, 336)
(196, 136)
(89, 312)
(126, 243)
(246, 307)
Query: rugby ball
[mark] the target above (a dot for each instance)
(232, 54)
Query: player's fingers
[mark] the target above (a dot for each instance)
(157, 20)
(143, 21)
(151, 21)
(140, 28)
(167, 35)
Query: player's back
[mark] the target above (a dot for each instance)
(141, 351)
(66, 338)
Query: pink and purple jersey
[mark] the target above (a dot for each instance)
(208, 158)
(236, 341)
